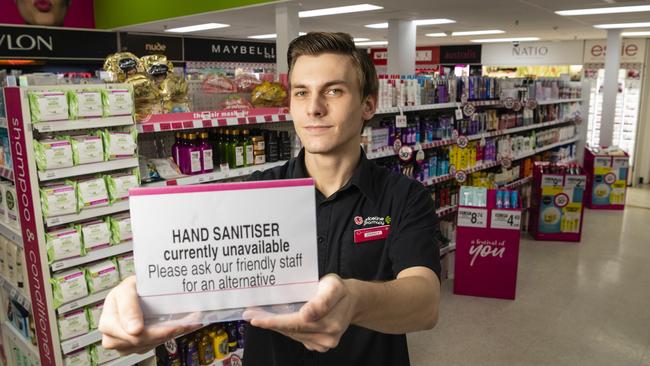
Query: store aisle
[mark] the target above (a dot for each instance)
(577, 304)
(639, 196)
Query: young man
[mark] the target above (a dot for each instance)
(370, 292)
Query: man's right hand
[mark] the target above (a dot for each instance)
(122, 323)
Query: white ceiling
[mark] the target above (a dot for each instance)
(517, 17)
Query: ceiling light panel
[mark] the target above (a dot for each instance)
(612, 10)
(420, 22)
(377, 26)
(622, 25)
(499, 40)
(197, 28)
(436, 34)
(477, 33)
(372, 43)
(338, 10)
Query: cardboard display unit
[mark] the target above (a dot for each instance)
(607, 179)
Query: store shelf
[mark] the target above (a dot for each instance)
(7, 173)
(90, 299)
(227, 360)
(15, 293)
(95, 255)
(78, 124)
(556, 101)
(547, 147)
(449, 248)
(436, 180)
(3, 122)
(88, 213)
(484, 166)
(76, 343)
(214, 176)
(517, 129)
(517, 183)
(444, 211)
(425, 146)
(130, 359)
(209, 119)
(12, 234)
(25, 345)
(84, 169)
(413, 108)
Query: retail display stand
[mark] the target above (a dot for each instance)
(607, 179)
(23, 132)
(487, 250)
(557, 206)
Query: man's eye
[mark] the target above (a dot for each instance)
(334, 92)
(300, 93)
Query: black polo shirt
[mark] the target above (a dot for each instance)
(374, 197)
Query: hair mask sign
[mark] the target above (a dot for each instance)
(219, 256)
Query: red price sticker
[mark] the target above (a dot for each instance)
(461, 176)
(462, 142)
(405, 153)
(469, 110)
(531, 103)
(509, 102)
(561, 200)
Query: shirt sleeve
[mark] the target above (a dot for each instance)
(415, 242)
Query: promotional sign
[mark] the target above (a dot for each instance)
(202, 49)
(607, 184)
(632, 51)
(429, 55)
(532, 53)
(38, 42)
(28, 225)
(455, 55)
(224, 246)
(487, 250)
(146, 44)
(73, 14)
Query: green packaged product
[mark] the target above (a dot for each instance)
(100, 355)
(94, 312)
(120, 228)
(119, 185)
(78, 358)
(117, 102)
(87, 149)
(48, 106)
(92, 192)
(53, 153)
(102, 276)
(96, 234)
(127, 267)
(64, 243)
(68, 286)
(118, 145)
(73, 324)
(59, 199)
(85, 103)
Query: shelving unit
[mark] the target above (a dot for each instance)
(84, 169)
(130, 359)
(3, 122)
(12, 234)
(25, 346)
(517, 183)
(95, 255)
(22, 134)
(6, 173)
(214, 176)
(15, 293)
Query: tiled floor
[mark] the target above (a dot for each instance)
(577, 304)
(639, 197)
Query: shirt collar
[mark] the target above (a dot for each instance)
(361, 178)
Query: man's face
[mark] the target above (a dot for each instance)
(326, 104)
(43, 12)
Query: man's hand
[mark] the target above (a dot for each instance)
(122, 324)
(321, 322)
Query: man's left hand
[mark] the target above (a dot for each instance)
(321, 322)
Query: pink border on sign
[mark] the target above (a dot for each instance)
(222, 187)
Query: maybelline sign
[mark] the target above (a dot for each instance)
(40, 42)
(532, 53)
(201, 49)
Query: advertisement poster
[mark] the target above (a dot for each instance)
(51, 13)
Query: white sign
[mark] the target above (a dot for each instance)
(224, 246)
(632, 51)
(472, 217)
(505, 219)
(575, 181)
(532, 53)
(400, 121)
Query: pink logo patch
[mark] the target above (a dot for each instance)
(358, 220)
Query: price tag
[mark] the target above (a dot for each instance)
(50, 175)
(400, 121)
(610, 178)
(224, 167)
(561, 200)
(462, 142)
(45, 128)
(506, 162)
(461, 176)
(57, 266)
(509, 103)
(472, 217)
(469, 110)
(575, 181)
(459, 113)
(503, 219)
(201, 179)
(531, 103)
(554, 181)
(405, 153)
(55, 221)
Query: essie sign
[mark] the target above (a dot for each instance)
(632, 51)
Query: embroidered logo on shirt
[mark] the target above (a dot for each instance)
(374, 221)
(358, 220)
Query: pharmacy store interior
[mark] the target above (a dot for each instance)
(523, 122)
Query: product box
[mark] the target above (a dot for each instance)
(59, 199)
(48, 106)
(487, 244)
(63, 243)
(557, 205)
(68, 286)
(78, 358)
(53, 154)
(87, 149)
(607, 170)
(85, 104)
(72, 324)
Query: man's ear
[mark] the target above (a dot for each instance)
(369, 107)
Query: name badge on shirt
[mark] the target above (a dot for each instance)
(371, 233)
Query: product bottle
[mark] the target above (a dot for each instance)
(215, 137)
(192, 156)
(249, 158)
(224, 141)
(207, 164)
(285, 145)
(271, 144)
(206, 349)
(236, 150)
(176, 148)
(191, 354)
(231, 329)
(220, 343)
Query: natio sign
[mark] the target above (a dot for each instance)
(632, 51)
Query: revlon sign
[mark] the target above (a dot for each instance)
(632, 51)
